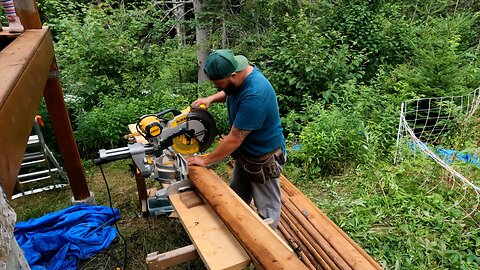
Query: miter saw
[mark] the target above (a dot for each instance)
(186, 132)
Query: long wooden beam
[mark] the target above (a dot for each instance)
(261, 242)
(67, 144)
(24, 68)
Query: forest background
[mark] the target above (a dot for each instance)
(341, 69)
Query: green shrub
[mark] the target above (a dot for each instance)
(443, 62)
(302, 58)
(331, 141)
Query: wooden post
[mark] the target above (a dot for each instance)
(57, 110)
(142, 193)
(24, 68)
(27, 10)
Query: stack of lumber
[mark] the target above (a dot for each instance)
(318, 242)
(266, 249)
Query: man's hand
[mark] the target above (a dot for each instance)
(202, 101)
(196, 160)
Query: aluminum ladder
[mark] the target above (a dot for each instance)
(40, 170)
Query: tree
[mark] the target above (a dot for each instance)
(201, 39)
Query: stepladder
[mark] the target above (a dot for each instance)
(40, 171)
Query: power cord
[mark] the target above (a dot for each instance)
(115, 222)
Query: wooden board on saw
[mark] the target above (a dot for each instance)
(138, 138)
(215, 244)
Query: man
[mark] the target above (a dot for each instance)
(256, 136)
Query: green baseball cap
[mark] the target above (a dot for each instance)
(221, 63)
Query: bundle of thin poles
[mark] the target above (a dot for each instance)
(316, 239)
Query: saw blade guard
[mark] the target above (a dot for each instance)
(201, 132)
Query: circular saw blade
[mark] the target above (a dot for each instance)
(204, 132)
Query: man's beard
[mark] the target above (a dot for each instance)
(230, 89)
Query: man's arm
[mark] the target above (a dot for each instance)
(218, 97)
(229, 144)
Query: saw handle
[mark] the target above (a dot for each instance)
(175, 112)
(200, 106)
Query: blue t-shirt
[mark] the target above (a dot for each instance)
(254, 107)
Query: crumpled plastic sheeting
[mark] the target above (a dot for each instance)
(7, 223)
(59, 240)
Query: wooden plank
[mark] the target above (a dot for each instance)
(260, 241)
(24, 68)
(15, 58)
(6, 34)
(138, 138)
(172, 258)
(217, 247)
(190, 198)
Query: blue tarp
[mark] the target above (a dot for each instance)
(450, 156)
(59, 240)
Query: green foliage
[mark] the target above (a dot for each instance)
(443, 63)
(108, 53)
(392, 212)
(372, 28)
(330, 141)
(302, 58)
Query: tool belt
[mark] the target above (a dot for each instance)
(259, 169)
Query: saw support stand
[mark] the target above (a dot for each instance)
(171, 170)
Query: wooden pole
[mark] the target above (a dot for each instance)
(332, 253)
(298, 246)
(287, 184)
(354, 258)
(258, 239)
(27, 11)
(316, 251)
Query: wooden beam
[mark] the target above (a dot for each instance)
(258, 239)
(57, 110)
(27, 10)
(24, 69)
(217, 247)
(172, 258)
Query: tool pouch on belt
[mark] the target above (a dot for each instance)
(261, 168)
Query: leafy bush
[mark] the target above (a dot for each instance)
(111, 51)
(404, 216)
(302, 58)
(442, 63)
(330, 140)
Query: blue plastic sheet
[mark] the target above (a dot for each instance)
(60, 239)
(449, 155)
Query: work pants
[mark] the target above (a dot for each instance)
(267, 197)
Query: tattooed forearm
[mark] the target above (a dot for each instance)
(240, 133)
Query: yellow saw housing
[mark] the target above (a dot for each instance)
(182, 144)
